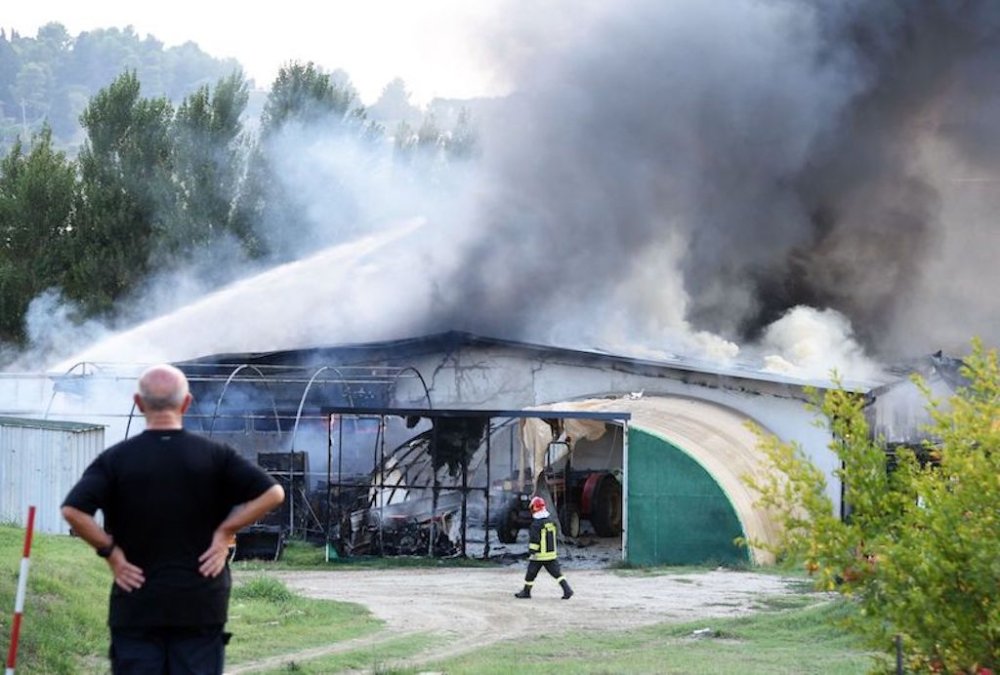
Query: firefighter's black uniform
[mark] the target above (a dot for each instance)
(542, 549)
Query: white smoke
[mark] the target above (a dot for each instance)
(815, 344)
(369, 266)
(348, 292)
(53, 330)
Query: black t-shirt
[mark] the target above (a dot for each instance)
(163, 493)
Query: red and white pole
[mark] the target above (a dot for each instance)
(22, 586)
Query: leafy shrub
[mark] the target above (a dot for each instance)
(920, 552)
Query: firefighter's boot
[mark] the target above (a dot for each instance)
(524, 593)
(567, 591)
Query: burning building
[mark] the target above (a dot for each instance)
(828, 161)
(424, 445)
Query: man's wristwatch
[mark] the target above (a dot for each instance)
(105, 551)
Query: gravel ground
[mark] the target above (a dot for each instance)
(476, 607)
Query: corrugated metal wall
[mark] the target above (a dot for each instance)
(39, 462)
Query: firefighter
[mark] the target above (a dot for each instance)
(542, 549)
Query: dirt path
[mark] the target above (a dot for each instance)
(476, 607)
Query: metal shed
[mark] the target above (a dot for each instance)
(40, 460)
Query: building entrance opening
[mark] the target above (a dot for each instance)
(460, 483)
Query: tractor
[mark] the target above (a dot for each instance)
(576, 495)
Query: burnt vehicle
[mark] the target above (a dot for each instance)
(413, 502)
(401, 529)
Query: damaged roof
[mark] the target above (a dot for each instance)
(400, 352)
(934, 367)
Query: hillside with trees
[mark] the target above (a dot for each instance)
(49, 78)
(123, 160)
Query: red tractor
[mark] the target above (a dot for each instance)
(576, 495)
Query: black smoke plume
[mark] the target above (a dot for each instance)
(840, 155)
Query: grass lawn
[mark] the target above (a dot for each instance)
(64, 627)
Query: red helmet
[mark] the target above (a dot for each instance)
(536, 504)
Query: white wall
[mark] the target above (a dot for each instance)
(502, 378)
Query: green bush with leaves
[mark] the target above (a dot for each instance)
(920, 550)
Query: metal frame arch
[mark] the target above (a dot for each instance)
(305, 394)
(96, 368)
(427, 392)
(83, 365)
(131, 414)
(225, 387)
(295, 431)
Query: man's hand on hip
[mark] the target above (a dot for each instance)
(213, 560)
(128, 577)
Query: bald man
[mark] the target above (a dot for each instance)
(168, 499)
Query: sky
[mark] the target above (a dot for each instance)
(431, 44)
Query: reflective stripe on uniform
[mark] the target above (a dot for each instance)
(546, 546)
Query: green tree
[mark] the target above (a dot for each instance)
(304, 94)
(429, 135)
(463, 142)
(303, 103)
(404, 141)
(393, 105)
(32, 92)
(10, 63)
(54, 74)
(920, 552)
(52, 51)
(209, 159)
(422, 145)
(250, 208)
(128, 199)
(36, 207)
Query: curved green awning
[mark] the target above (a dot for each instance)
(677, 513)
